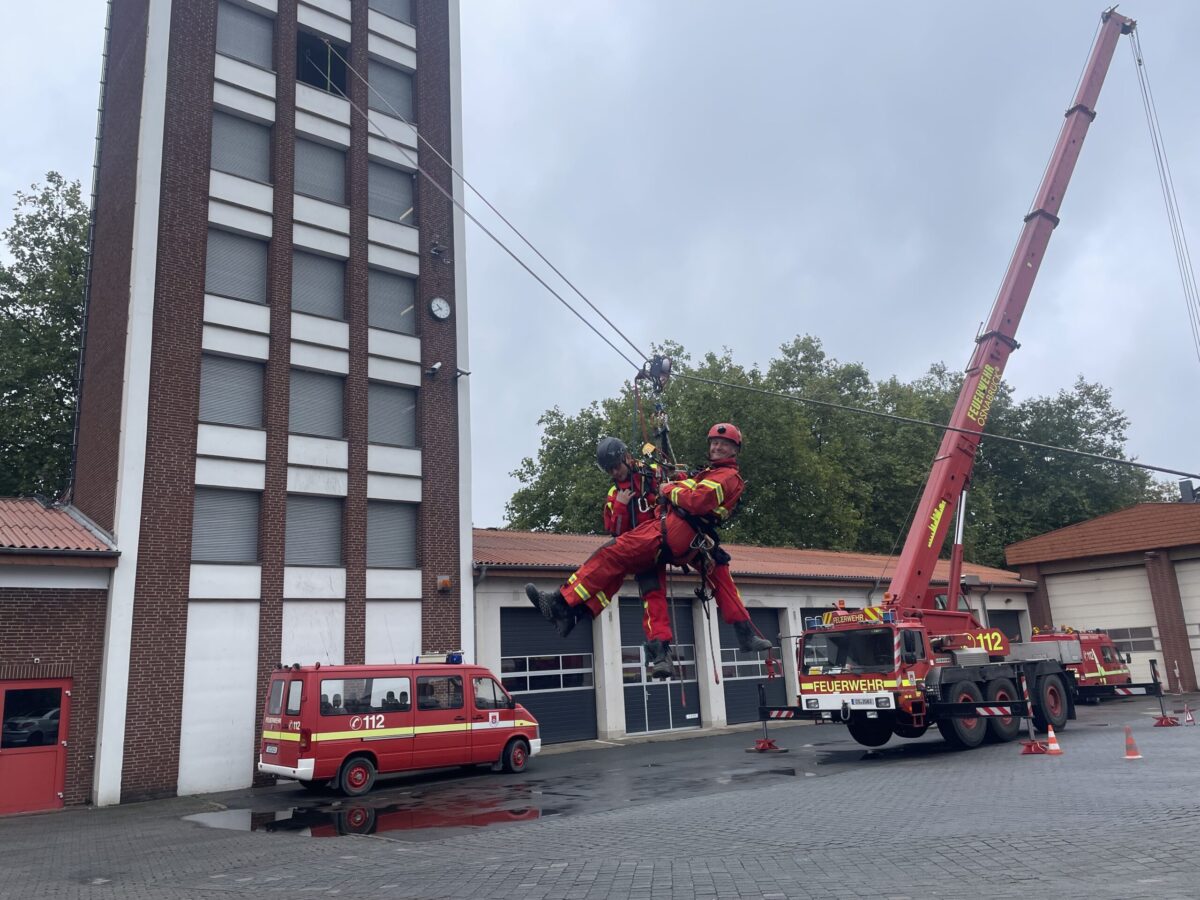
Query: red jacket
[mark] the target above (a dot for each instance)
(710, 494)
(621, 517)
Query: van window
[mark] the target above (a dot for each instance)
(275, 701)
(439, 692)
(489, 695)
(1107, 652)
(295, 690)
(351, 696)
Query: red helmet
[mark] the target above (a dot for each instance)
(727, 431)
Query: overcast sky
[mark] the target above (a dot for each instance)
(731, 175)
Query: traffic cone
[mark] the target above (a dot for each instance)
(1052, 748)
(1131, 750)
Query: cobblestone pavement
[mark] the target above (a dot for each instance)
(674, 819)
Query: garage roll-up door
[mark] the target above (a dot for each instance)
(655, 705)
(1114, 600)
(742, 673)
(550, 676)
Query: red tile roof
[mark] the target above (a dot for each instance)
(526, 550)
(1147, 526)
(28, 527)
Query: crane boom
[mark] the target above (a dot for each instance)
(955, 458)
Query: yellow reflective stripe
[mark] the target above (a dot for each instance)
(721, 512)
(571, 580)
(281, 735)
(612, 490)
(441, 729)
(582, 592)
(720, 491)
(524, 723)
(603, 598)
(689, 482)
(363, 733)
(675, 496)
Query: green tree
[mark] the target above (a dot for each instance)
(41, 301)
(821, 477)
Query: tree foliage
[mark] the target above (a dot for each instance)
(41, 300)
(824, 478)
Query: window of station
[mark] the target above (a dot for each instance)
(396, 9)
(391, 414)
(391, 302)
(742, 664)
(391, 534)
(225, 526)
(1133, 640)
(633, 663)
(546, 673)
(320, 64)
(30, 717)
(244, 35)
(231, 391)
(313, 532)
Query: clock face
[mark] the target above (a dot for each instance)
(440, 307)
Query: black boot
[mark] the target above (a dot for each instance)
(748, 640)
(552, 606)
(658, 659)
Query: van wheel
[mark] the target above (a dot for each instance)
(999, 731)
(963, 734)
(358, 776)
(1050, 703)
(515, 756)
(315, 787)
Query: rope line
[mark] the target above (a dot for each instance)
(499, 243)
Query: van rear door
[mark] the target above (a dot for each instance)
(280, 739)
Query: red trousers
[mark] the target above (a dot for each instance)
(599, 579)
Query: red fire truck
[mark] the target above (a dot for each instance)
(916, 660)
(341, 725)
(1090, 655)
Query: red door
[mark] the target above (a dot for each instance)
(491, 719)
(33, 748)
(442, 735)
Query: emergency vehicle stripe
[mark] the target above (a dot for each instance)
(1127, 692)
(887, 683)
(363, 733)
(782, 714)
(281, 735)
(720, 491)
(872, 613)
(404, 732)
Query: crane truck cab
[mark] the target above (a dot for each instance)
(885, 671)
(341, 725)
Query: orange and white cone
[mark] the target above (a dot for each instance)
(1131, 750)
(1052, 748)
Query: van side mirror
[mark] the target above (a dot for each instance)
(1128, 659)
(511, 704)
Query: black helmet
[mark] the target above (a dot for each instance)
(610, 453)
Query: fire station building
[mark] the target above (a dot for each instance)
(1134, 573)
(594, 684)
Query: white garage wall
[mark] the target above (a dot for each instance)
(314, 631)
(1106, 598)
(393, 631)
(220, 670)
(1187, 572)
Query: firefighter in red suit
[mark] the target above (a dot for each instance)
(691, 510)
(631, 500)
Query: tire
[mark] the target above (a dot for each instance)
(1001, 731)
(357, 776)
(910, 731)
(515, 756)
(356, 820)
(1050, 703)
(963, 734)
(870, 732)
(314, 787)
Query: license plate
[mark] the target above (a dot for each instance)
(862, 701)
(270, 748)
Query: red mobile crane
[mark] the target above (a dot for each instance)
(916, 660)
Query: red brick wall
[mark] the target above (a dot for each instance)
(1172, 630)
(94, 489)
(164, 555)
(438, 542)
(62, 628)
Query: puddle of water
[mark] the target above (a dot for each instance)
(331, 819)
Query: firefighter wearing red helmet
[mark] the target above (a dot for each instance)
(692, 507)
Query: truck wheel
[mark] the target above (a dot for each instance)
(963, 734)
(1000, 731)
(910, 731)
(1050, 703)
(870, 732)
(515, 756)
(358, 776)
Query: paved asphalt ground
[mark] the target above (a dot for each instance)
(674, 818)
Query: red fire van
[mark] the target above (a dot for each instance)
(340, 725)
